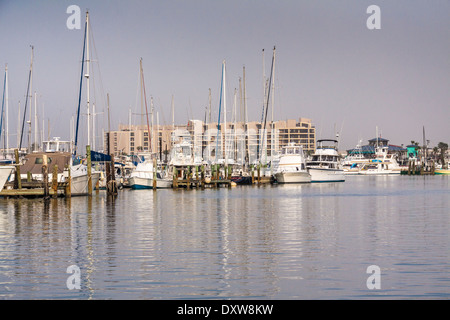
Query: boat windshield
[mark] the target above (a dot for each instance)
(291, 150)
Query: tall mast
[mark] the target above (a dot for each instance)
(272, 133)
(145, 99)
(6, 109)
(225, 114)
(79, 94)
(246, 155)
(31, 100)
(35, 123)
(151, 146)
(26, 98)
(209, 103)
(87, 80)
(18, 127)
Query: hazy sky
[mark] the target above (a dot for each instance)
(329, 66)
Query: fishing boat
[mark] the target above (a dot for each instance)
(324, 165)
(142, 177)
(292, 166)
(354, 160)
(382, 164)
(442, 171)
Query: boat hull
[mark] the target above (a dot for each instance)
(326, 175)
(293, 177)
(147, 183)
(442, 171)
(5, 172)
(79, 184)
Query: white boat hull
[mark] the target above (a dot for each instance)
(147, 183)
(326, 175)
(5, 172)
(79, 184)
(293, 177)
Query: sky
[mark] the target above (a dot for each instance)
(329, 66)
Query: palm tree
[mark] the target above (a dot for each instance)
(443, 149)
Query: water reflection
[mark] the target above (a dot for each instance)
(286, 241)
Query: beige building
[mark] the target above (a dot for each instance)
(237, 140)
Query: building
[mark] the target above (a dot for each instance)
(235, 140)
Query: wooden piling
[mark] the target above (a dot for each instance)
(55, 180)
(202, 176)
(188, 177)
(89, 168)
(154, 174)
(45, 177)
(68, 183)
(17, 179)
(259, 173)
(175, 178)
(252, 168)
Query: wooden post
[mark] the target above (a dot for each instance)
(89, 167)
(259, 173)
(45, 176)
(55, 181)
(175, 178)
(68, 183)
(154, 174)
(202, 175)
(111, 185)
(28, 176)
(17, 179)
(196, 176)
(252, 168)
(188, 177)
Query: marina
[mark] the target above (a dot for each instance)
(286, 241)
(317, 169)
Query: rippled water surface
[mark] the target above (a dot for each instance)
(310, 241)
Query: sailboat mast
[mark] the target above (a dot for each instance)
(146, 110)
(87, 81)
(225, 114)
(35, 123)
(272, 134)
(6, 108)
(26, 99)
(79, 94)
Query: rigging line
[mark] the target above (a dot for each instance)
(26, 100)
(3, 103)
(267, 102)
(146, 111)
(218, 121)
(79, 95)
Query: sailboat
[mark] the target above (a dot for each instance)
(5, 171)
(144, 173)
(78, 171)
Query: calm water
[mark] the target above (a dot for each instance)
(272, 242)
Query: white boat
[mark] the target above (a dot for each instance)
(78, 173)
(5, 172)
(324, 165)
(382, 164)
(142, 177)
(292, 166)
(354, 160)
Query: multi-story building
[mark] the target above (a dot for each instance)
(238, 141)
